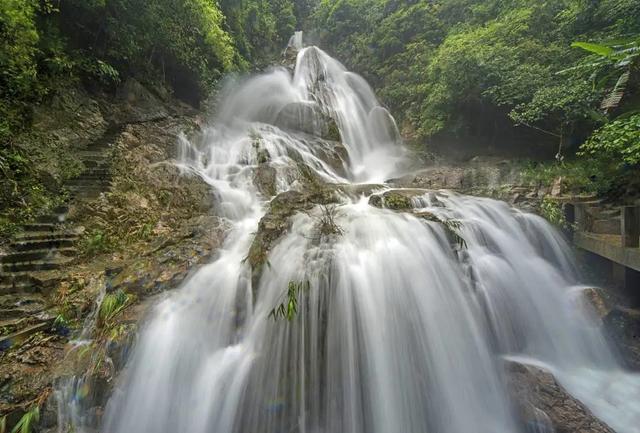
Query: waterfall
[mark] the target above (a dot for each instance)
(396, 330)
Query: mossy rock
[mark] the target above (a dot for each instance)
(333, 132)
(264, 178)
(275, 223)
(393, 200)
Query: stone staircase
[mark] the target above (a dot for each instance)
(29, 270)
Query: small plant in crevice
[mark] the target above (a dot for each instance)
(288, 308)
(61, 325)
(326, 222)
(27, 423)
(451, 226)
(98, 241)
(112, 304)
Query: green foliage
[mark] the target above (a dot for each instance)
(96, 242)
(112, 304)
(457, 67)
(18, 67)
(613, 65)
(260, 28)
(288, 308)
(28, 421)
(552, 211)
(618, 141)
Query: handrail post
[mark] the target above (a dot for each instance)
(580, 216)
(630, 226)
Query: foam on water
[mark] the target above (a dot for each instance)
(398, 332)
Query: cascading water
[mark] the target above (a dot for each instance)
(396, 330)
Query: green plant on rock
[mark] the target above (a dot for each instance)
(397, 201)
(112, 304)
(288, 308)
(552, 211)
(28, 421)
(96, 242)
(452, 227)
(326, 224)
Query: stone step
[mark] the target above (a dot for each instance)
(40, 244)
(97, 170)
(36, 265)
(14, 278)
(87, 183)
(100, 153)
(53, 218)
(90, 177)
(22, 256)
(96, 164)
(41, 227)
(45, 235)
(87, 194)
(41, 282)
(18, 337)
(18, 287)
(83, 184)
(14, 306)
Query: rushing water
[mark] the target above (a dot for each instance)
(397, 331)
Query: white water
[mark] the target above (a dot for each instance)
(398, 332)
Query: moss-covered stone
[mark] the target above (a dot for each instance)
(264, 179)
(333, 131)
(395, 200)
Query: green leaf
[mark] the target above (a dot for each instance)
(601, 50)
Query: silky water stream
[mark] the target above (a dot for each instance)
(397, 330)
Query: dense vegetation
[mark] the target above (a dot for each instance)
(537, 77)
(545, 78)
(187, 45)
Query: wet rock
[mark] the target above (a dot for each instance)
(308, 117)
(277, 221)
(26, 373)
(264, 178)
(623, 327)
(171, 258)
(541, 402)
(595, 301)
(397, 199)
(336, 156)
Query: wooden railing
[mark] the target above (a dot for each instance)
(622, 250)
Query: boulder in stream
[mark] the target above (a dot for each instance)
(544, 406)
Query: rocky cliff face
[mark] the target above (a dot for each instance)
(133, 227)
